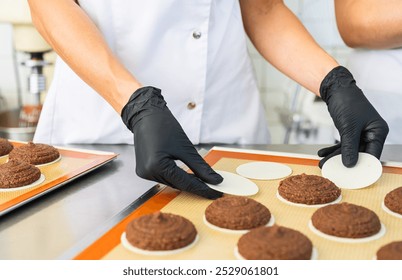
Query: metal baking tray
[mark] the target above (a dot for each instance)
(73, 164)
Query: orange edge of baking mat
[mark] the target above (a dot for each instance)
(216, 155)
(98, 159)
(111, 238)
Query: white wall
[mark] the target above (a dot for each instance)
(7, 75)
(277, 91)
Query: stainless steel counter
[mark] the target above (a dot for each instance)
(61, 223)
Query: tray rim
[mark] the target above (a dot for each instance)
(101, 158)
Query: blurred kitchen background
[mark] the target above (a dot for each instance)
(294, 114)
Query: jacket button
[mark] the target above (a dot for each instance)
(191, 105)
(196, 34)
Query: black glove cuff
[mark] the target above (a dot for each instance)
(142, 99)
(337, 77)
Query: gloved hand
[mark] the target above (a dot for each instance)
(360, 126)
(159, 140)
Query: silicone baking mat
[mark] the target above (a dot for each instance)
(218, 245)
(73, 164)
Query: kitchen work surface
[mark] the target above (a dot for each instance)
(214, 244)
(72, 164)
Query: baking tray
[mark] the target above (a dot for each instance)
(217, 245)
(73, 164)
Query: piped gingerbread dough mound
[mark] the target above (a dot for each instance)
(5, 147)
(390, 251)
(275, 243)
(35, 153)
(237, 213)
(14, 174)
(160, 232)
(393, 200)
(308, 189)
(346, 220)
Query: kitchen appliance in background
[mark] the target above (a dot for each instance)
(20, 123)
(2, 102)
(31, 102)
(297, 122)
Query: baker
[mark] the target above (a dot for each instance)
(374, 31)
(121, 62)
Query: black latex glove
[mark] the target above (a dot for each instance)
(360, 126)
(159, 140)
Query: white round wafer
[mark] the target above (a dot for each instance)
(365, 173)
(262, 170)
(235, 184)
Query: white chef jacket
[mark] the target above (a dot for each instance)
(379, 74)
(195, 51)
